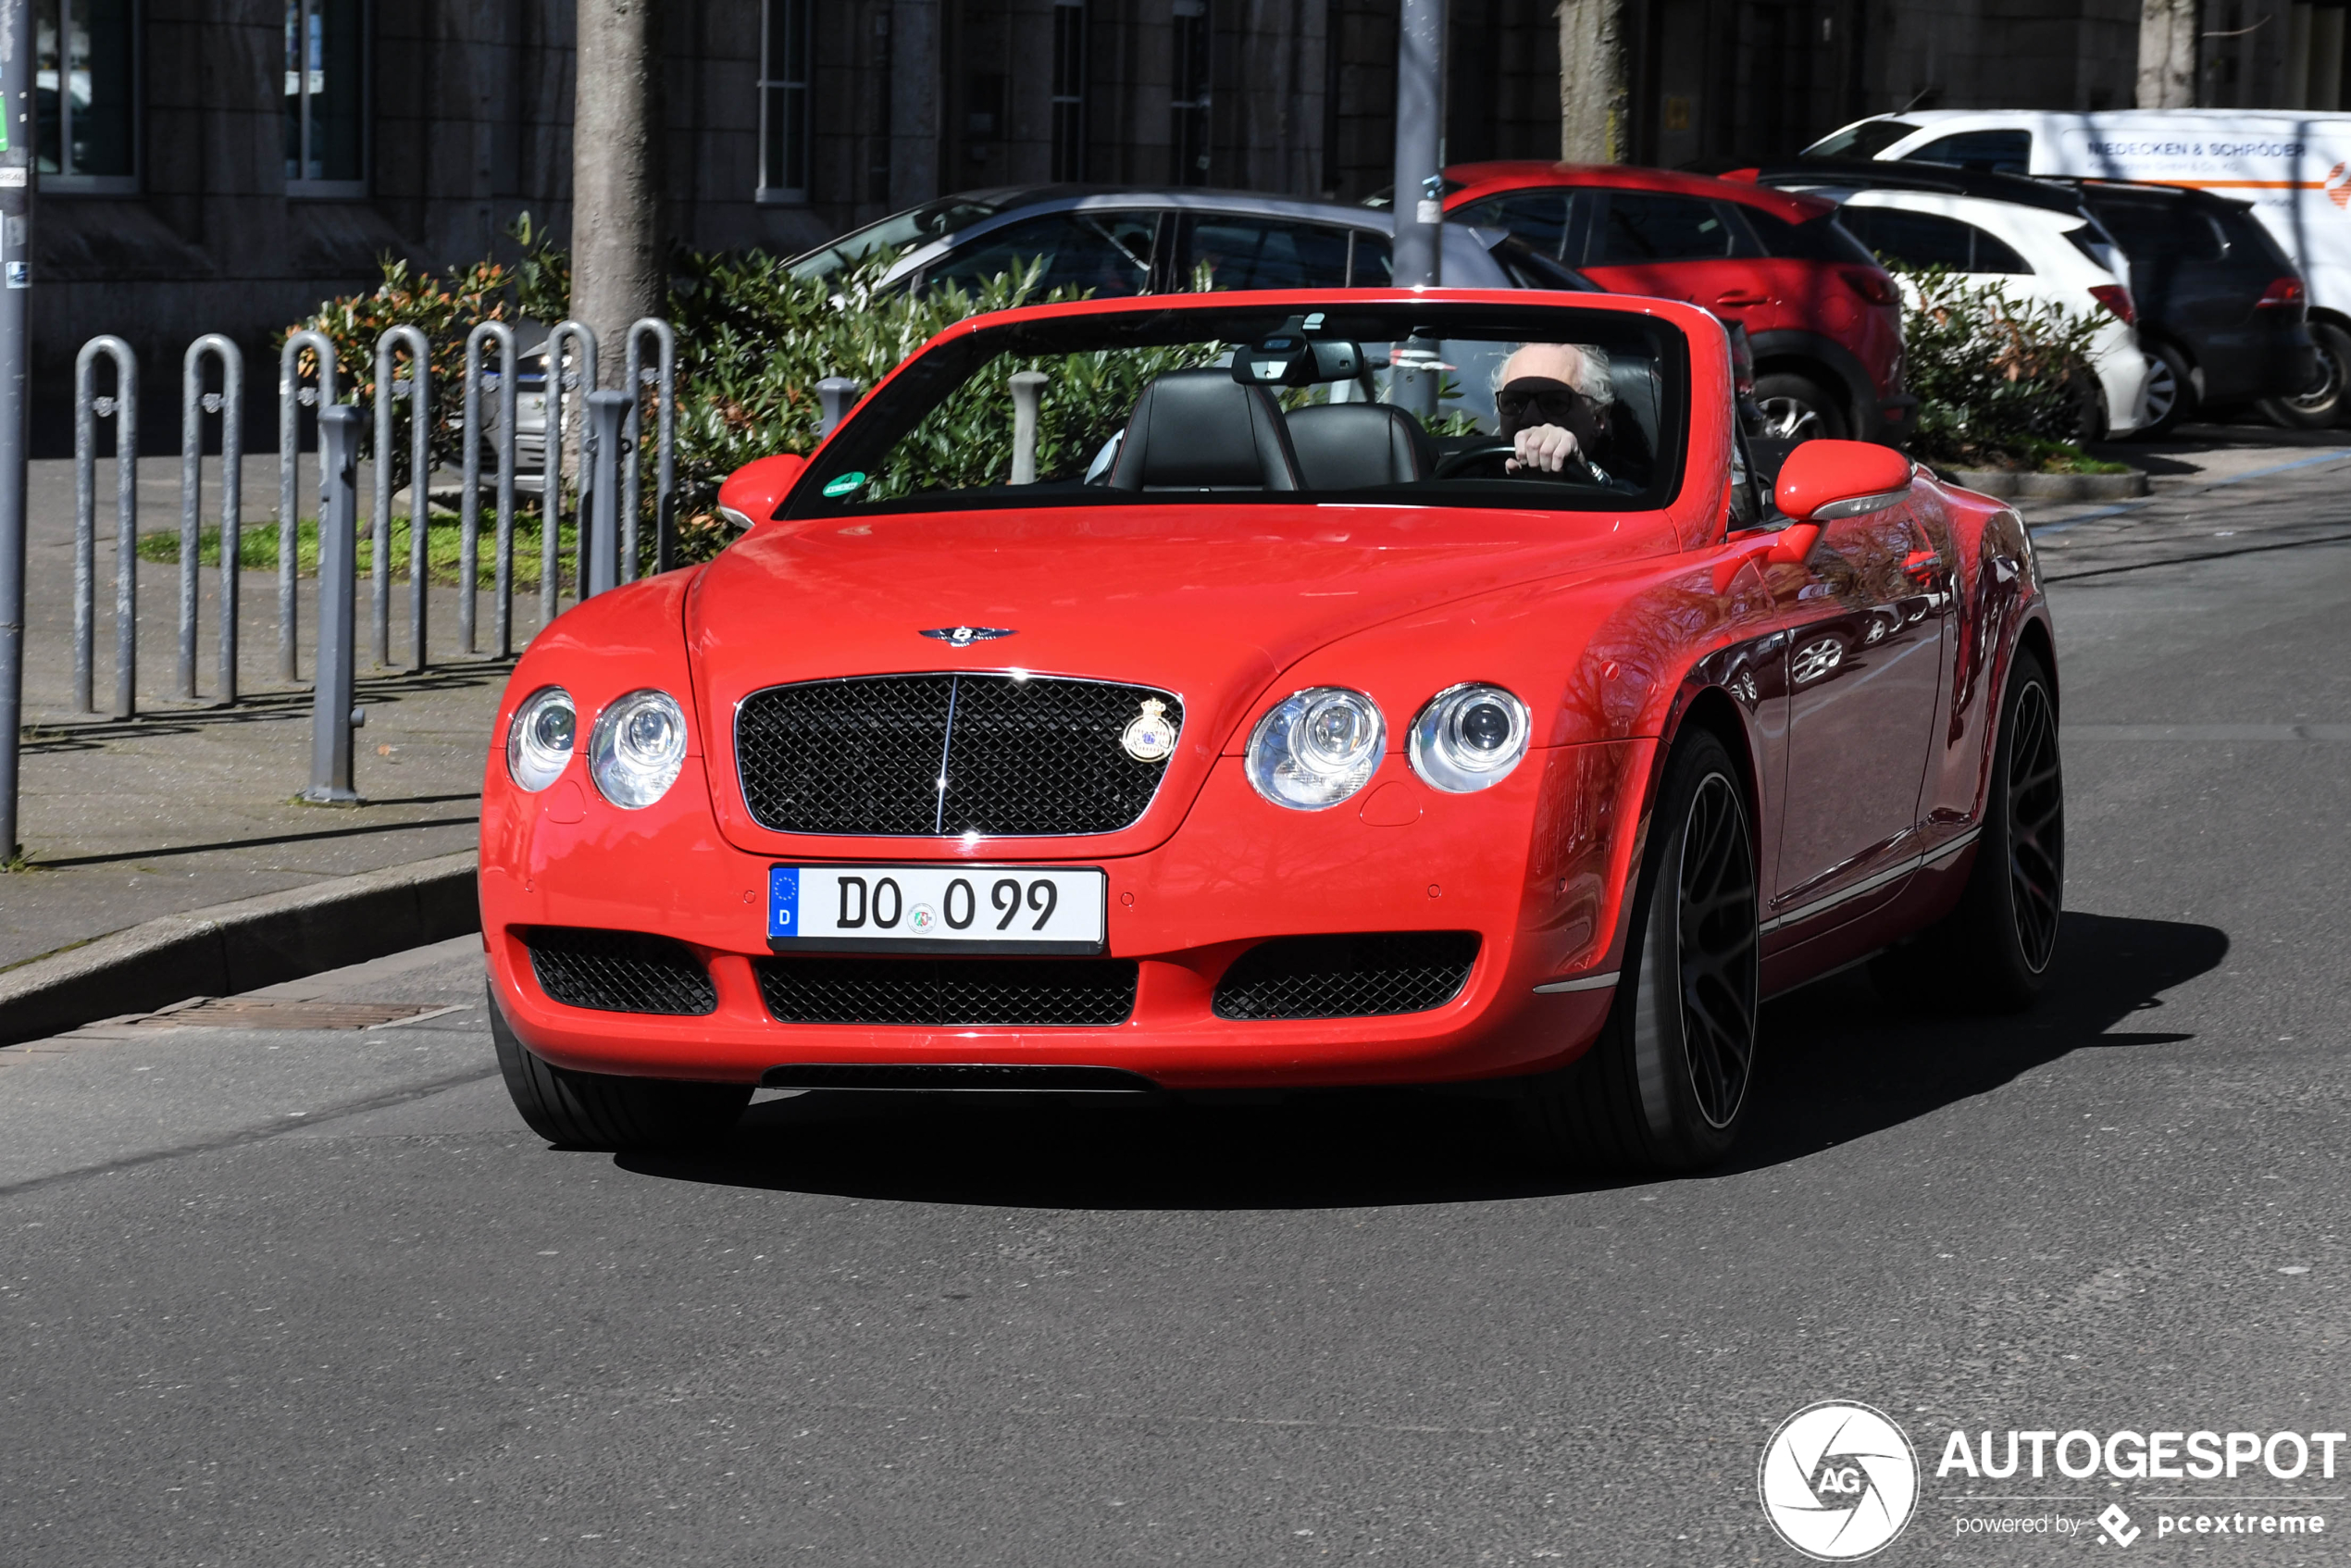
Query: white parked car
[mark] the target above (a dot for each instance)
(2044, 255)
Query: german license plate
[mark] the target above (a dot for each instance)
(934, 909)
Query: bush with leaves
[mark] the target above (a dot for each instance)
(2001, 382)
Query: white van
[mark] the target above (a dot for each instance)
(2294, 168)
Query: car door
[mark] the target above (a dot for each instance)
(1543, 216)
(1674, 247)
(1109, 253)
(1865, 616)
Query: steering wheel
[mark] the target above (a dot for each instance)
(1454, 464)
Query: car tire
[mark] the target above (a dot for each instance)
(1667, 1085)
(2321, 407)
(1992, 952)
(600, 1111)
(1799, 408)
(2170, 395)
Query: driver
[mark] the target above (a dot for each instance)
(1553, 401)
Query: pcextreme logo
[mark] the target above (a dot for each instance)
(1838, 1480)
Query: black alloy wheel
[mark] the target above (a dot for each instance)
(2036, 785)
(2321, 406)
(1718, 956)
(1797, 409)
(2170, 395)
(1666, 1086)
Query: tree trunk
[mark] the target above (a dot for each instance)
(1592, 88)
(2167, 53)
(615, 213)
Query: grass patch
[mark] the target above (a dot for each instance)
(257, 549)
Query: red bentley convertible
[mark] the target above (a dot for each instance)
(1130, 695)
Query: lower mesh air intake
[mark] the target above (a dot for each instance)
(947, 991)
(1364, 976)
(619, 971)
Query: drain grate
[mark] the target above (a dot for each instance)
(278, 1013)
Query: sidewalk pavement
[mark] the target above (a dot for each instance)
(191, 805)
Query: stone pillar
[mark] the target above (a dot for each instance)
(2167, 53)
(1593, 100)
(615, 213)
(915, 93)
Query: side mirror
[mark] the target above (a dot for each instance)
(1822, 481)
(753, 492)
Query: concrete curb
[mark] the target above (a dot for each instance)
(2007, 486)
(234, 947)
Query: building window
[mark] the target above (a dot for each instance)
(86, 93)
(1069, 89)
(1192, 51)
(783, 101)
(326, 97)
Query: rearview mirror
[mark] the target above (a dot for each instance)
(1822, 481)
(753, 492)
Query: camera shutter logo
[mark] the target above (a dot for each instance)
(1838, 1480)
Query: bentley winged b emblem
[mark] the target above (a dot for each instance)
(1149, 737)
(964, 636)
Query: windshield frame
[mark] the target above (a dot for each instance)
(948, 362)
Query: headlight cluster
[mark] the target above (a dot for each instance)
(634, 753)
(1321, 745)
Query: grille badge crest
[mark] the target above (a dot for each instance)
(1149, 737)
(964, 636)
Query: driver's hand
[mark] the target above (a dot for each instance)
(1545, 448)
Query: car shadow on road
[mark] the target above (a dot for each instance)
(1841, 1063)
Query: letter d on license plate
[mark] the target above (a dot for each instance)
(936, 909)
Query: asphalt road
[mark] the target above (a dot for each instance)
(315, 1297)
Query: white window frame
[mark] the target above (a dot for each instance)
(65, 180)
(338, 190)
(773, 93)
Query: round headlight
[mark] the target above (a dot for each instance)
(540, 740)
(1318, 748)
(638, 745)
(1468, 737)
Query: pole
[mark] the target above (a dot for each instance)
(330, 710)
(16, 350)
(1419, 205)
(599, 530)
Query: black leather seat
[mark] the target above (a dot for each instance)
(1201, 429)
(1351, 445)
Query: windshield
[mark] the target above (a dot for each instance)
(1866, 140)
(913, 227)
(1147, 404)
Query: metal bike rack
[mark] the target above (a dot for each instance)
(88, 409)
(836, 395)
(416, 388)
(560, 384)
(662, 377)
(503, 381)
(331, 716)
(194, 402)
(292, 396)
(601, 529)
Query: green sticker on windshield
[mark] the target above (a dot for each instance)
(844, 484)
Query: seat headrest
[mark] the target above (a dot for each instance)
(1350, 446)
(1201, 429)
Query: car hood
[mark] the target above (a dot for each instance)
(1211, 603)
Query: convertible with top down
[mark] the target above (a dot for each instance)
(1139, 696)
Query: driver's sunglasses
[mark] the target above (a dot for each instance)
(1557, 405)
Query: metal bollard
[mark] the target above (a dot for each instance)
(469, 527)
(292, 396)
(662, 378)
(561, 383)
(194, 402)
(836, 395)
(600, 530)
(88, 409)
(331, 709)
(1028, 396)
(416, 389)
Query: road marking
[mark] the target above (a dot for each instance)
(2206, 732)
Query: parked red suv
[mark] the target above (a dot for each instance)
(1825, 321)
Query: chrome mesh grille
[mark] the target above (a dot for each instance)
(1034, 757)
(945, 992)
(619, 971)
(1364, 975)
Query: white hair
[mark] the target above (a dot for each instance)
(1592, 380)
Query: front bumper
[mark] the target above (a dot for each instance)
(1535, 866)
